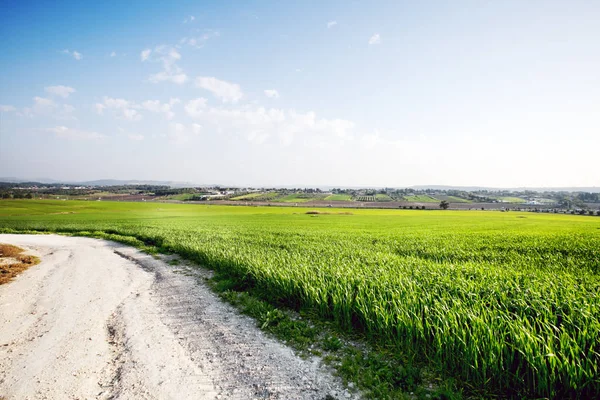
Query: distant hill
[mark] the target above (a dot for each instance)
(591, 189)
(177, 184)
(119, 182)
(103, 182)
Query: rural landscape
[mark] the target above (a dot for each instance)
(261, 200)
(487, 303)
(583, 201)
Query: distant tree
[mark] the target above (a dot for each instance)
(422, 207)
(444, 205)
(591, 212)
(598, 213)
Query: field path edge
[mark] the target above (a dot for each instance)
(97, 319)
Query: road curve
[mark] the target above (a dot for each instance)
(96, 319)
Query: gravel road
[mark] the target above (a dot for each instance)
(96, 319)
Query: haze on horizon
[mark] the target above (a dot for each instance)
(390, 93)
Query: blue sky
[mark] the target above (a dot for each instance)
(346, 93)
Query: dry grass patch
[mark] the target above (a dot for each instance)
(13, 262)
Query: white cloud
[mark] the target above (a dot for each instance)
(131, 136)
(42, 102)
(60, 90)
(195, 107)
(272, 93)
(145, 54)
(259, 124)
(167, 56)
(131, 114)
(179, 133)
(375, 39)
(75, 54)
(113, 54)
(70, 133)
(127, 109)
(199, 41)
(226, 91)
(26, 112)
(43, 106)
(7, 108)
(191, 18)
(130, 110)
(196, 128)
(331, 24)
(68, 109)
(158, 107)
(165, 76)
(99, 108)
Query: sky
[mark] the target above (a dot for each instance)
(307, 93)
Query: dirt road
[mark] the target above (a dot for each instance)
(96, 319)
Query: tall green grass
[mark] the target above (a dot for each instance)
(506, 302)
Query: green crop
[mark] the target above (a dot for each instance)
(506, 302)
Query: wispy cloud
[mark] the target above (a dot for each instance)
(272, 93)
(375, 39)
(199, 41)
(76, 134)
(145, 54)
(126, 109)
(259, 124)
(130, 110)
(113, 54)
(45, 107)
(60, 90)
(7, 108)
(167, 56)
(180, 133)
(226, 91)
(157, 107)
(191, 18)
(43, 102)
(131, 136)
(194, 108)
(331, 24)
(75, 54)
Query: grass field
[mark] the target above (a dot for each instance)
(382, 197)
(269, 196)
(339, 197)
(421, 199)
(452, 199)
(300, 197)
(506, 303)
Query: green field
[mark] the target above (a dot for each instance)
(259, 196)
(454, 199)
(339, 197)
(421, 199)
(507, 303)
(382, 197)
(365, 198)
(300, 197)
